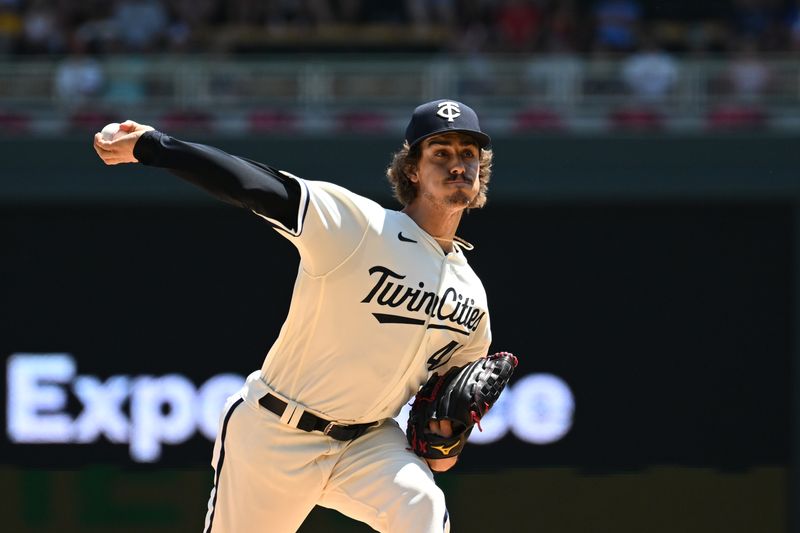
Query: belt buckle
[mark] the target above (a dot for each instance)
(328, 428)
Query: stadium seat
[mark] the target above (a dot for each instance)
(736, 117)
(361, 122)
(91, 120)
(636, 118)
(188, 119)
(271, 121)
(537, 120)
(12, 122)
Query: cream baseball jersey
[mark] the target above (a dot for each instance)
(370, 277)
(377, 306)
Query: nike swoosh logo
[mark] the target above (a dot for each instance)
(403, 238)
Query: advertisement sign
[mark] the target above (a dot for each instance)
(146, 413)
(651, 335)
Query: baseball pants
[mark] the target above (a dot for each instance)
(269, 476)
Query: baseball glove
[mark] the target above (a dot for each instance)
(462, 395)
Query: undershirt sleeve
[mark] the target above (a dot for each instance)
(234, 180)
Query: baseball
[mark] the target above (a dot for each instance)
(109, 131)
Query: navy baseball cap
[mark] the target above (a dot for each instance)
(444, 116)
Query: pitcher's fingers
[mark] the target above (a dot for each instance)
(102, 153)
(127, 136)
(112, 159)
(105, 154)
(441, 427)
(100, 144)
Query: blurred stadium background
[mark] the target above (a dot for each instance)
(639, 247)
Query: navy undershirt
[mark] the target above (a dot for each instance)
(235, 180)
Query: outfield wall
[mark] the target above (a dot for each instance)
(655, 278)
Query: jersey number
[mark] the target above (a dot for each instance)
(442, 355)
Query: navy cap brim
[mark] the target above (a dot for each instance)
(482, 139)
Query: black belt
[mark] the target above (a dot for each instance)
(309, 422)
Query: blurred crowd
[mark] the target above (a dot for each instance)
(647, 37)
(29, 27)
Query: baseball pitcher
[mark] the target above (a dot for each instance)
(385, 309)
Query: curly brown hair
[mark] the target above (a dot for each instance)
(404, 162)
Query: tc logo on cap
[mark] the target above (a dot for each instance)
(444, 116)
(449, 110)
